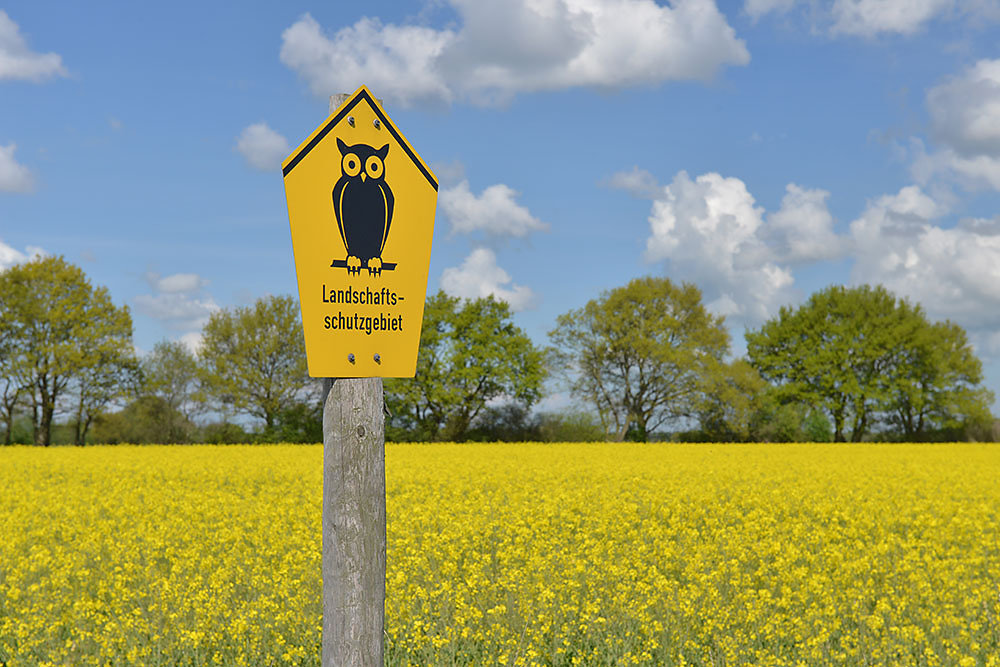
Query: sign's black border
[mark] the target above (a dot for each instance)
(362, 95)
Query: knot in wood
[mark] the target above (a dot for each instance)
(361, 431)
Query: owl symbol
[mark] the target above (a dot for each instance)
(363, 203)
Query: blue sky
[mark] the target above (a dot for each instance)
(761, 149)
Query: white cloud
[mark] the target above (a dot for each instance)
(397, 62)
(869, 18)
(965, 122)
(977, 171)
(181, 282)
(984, 226)
(638, 182)
(175, 283)
(262, 147)
(180, 312)
(965, 110)
(9, 256)
(14, 177)
(502, 49)
(712, 233)
(479, 276)
(493, 211)
(952, 272)
(802, 229)
(757, 8)
(193, 341)
(904, 214)
(972, 172)
(178, 301)
(17, 61)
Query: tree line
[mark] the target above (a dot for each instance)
(851, 363)
(639, 362)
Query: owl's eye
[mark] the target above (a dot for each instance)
(374, 166)
(352, 165)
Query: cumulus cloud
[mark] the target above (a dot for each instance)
(14, 177)
(965, 123)
(494, 211)
(178, 301)
(711, 231)
(869, 18)
(984, 226)
(19, 62)
(965, 110)
(952, 272)
(397, 61)
(502, 49)
(801, 231)
(9, 256)
(479, 276)
(262, 147)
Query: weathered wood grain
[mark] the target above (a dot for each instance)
(353, 523)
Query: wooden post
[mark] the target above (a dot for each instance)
(353, 523)
(353, 517)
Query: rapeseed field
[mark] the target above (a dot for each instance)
(513, 554)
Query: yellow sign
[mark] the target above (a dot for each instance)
(361, 208)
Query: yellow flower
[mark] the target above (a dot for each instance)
(554, 554)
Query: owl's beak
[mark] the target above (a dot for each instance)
(364, 177)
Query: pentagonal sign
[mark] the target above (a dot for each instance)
(361, 209)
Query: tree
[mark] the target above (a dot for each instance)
(170, 372)
(508, 422)
(303, 422)
(113, 374)
(731, 408)
(864, 356)
(640, 354)
(60, 327)
(12, 395)
(570, 426)
(12, 392)
(253, 359)
(147, 419)
(937, 385)
(834, 351)
(470, 353)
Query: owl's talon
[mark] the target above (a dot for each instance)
(375, 266)
(353, 264)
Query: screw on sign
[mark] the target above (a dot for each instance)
(361, 210)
